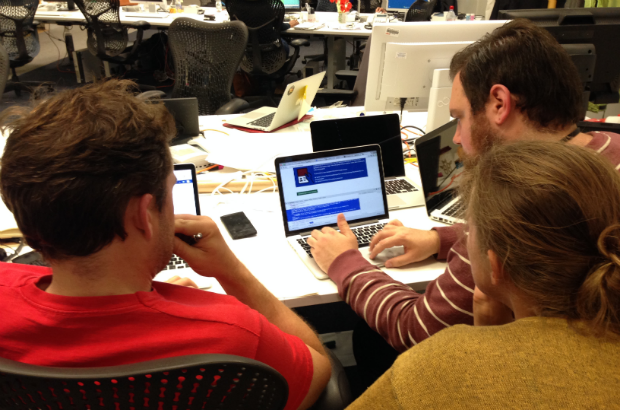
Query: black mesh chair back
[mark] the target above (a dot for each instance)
(210, 381)
(17, 33)
(4, 68)
(263, 18)
(421, 10)
(326, 5)
(106, 36)
(206, 56)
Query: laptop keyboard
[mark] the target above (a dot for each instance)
(363, 234)
(453, 209)
(398, 186)
(264, 121)
(176, 263)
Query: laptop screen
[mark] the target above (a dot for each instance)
(185, 191)
(440, 164)
(351, 132)
(315, 188)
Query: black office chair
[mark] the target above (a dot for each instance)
(265, 57)
(326, 5)
(107, 37)
(206, 56)
(18, 34)
(5, 66)
(190, 382)
(421, 10)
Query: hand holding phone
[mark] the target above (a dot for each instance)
(238, 225)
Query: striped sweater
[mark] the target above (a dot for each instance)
(404, 317)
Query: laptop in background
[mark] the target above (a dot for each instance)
(269, 118)
(185, 199)
(376, 129)
(440, 166)
(315, 188)
(185, 113)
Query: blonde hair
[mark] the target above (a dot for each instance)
(551, 213)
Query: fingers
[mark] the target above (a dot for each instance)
(386, 232)
(398, 261)
(395, 222)
(384, 244)
(176, 280)
(343, 226)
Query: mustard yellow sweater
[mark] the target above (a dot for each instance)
(536, 362)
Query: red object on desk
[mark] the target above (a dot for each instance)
(288, 124)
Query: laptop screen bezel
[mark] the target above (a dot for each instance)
(323, 154)
(192, 167)
(421, 140)
(322, 131)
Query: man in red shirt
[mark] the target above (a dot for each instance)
(516, 83)
(88, 176)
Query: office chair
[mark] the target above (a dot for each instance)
(189, 382)
(421, 10)
(265, 57)
(5, 66)
(326, 5)
(206, 56)
(18, 34)
(202, 381)
(107, 37)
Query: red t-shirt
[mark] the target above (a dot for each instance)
(50, 330)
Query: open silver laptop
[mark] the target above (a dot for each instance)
(297, 98)
(440, 168)
(315, 188)
(185, 199)
(375, 129)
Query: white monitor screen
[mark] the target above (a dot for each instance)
(183, 193)
(316, 190)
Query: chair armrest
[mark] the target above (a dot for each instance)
(233, 106)
(337, 393)
(152, 94)
(298, 42)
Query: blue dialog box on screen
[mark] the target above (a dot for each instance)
(330, 172)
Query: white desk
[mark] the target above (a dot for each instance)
(268, 255)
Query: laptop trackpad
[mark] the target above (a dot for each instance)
(395, 201)
(383, 256)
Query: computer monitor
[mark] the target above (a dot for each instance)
(414, 32)
(292, 5)
(600, 27)
(397, 66)
(401, 6)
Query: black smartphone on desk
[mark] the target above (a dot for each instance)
(238, 225)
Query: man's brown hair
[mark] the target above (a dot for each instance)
(551, 213)
(532, 65)
(72, 163)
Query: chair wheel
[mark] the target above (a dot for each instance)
(298, 73)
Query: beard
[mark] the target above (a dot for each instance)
(483, 138)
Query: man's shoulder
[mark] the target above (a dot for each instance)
(196, 305)
(17, 275)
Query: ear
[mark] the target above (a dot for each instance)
(500, 104)
(141, 217)
(498, 275)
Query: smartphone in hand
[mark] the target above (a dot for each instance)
(238, 225)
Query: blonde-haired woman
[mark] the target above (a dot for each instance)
(544, 242)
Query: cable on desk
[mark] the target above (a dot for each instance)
(210, 129)
(413, 126)
(16, 251)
